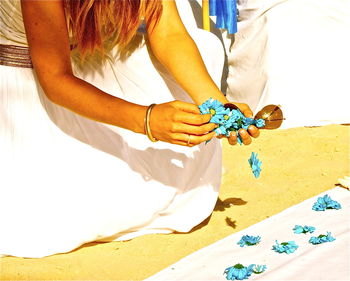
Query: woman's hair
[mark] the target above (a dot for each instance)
(97, 25)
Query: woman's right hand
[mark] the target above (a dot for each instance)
(181, 123)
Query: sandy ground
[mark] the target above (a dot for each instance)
(297, 164)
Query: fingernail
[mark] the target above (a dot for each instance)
(242, 133)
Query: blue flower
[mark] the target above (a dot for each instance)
(321, 238)
(324, 203)
(285, 247)
(257, 269)
(238, 272)
(303, 229)
(216, 109)
(255, 164)
(248, 240)
(225, 126)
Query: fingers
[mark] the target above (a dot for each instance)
(189, 113)
(247, 112)
(191, 140)
(245, 109)
(253, 131)
(245, 137)
(196, 130)
(232, 139)
(190, 118)
(185, 106)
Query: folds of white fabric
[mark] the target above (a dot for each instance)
(293, 53)
(67, 180)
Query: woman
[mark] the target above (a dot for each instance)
(78, 166)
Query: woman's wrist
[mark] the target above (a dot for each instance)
(128, 115)
(137, 124)
(214, 93)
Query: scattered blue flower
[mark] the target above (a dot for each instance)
(285, 247)
(241, 272)
(248, 240)
(321, 238)
(303, 229)
(324, 203)
(257, 269)
(238, 272)
(255, 164)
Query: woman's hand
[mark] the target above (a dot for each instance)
(246, 136)
(181, 123)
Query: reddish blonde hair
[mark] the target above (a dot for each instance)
(97, 25)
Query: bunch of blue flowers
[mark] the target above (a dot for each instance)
(285, 247)
(227, 119)
(248, 240)
(241, 272)
(303, 229)
(321, 238)
(324, 203)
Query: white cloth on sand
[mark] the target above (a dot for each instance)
(67, 180)
(327, 261)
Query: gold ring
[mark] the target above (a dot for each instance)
(189, 140)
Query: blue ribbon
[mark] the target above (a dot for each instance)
(226, 14)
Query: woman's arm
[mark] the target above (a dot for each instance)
(48, 40)
(175, 49)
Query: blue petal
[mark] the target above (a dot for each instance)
(310, 229)
(260, 123)
(257, 269)
(229, 273)
(330, 238)
(298, 229)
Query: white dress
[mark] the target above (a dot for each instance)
(66, 180)
(294, 53)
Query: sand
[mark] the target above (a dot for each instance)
(298, 163)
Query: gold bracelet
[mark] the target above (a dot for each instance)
(147, 123)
